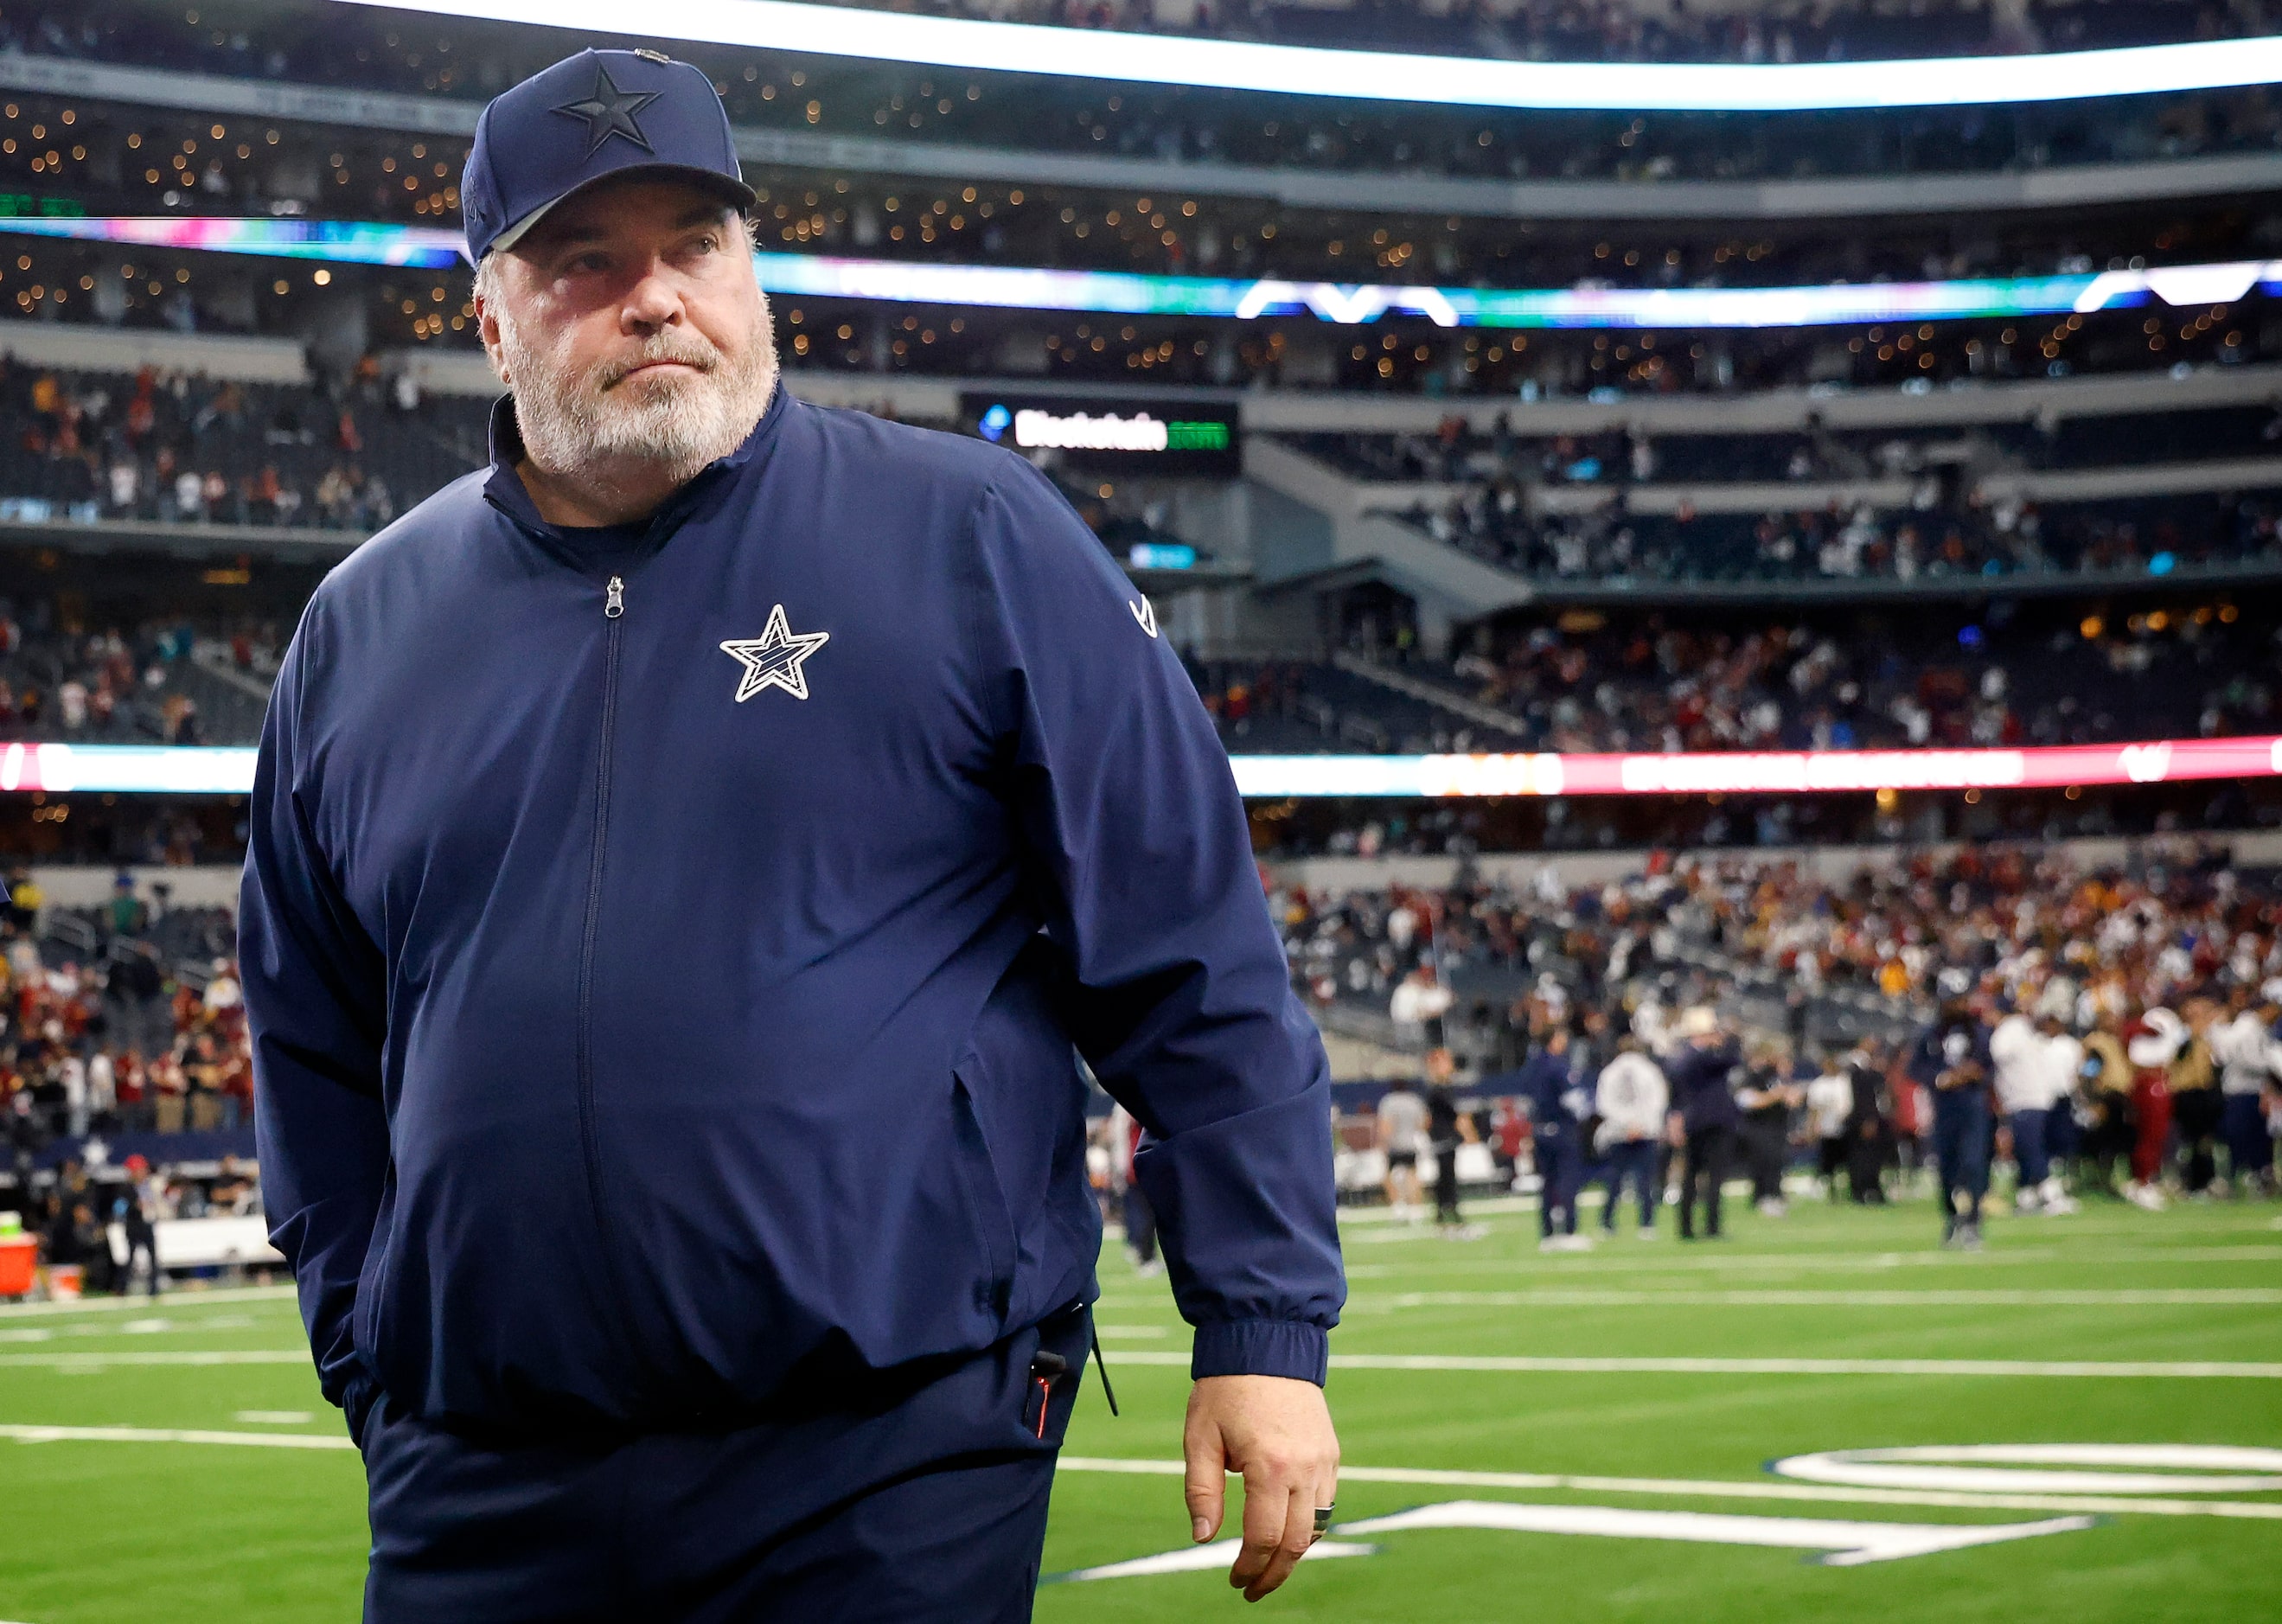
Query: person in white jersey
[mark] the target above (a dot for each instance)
(2036, 1062)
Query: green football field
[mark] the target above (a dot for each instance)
(1585, 1437)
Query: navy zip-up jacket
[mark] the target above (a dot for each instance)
(1552, 1086)
(642, 1025)
(1703, 1087)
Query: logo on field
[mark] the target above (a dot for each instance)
(774, 658)
(2101, 1480)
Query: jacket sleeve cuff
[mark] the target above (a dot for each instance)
(1262, 1348)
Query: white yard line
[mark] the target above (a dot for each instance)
(1499, 1363)
(181, 1298)
(155, 1434)
(75, 1361)
(2247, 1296)
(1520, 1482)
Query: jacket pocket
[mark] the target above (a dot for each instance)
(986, 1198)
(365, 1320)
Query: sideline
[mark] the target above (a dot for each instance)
(1627, 1260)
(180, 1297)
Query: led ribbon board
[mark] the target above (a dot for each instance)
(1752, 773)
(1342, 304)
(157, 769)
(340, 242)
(1394, 77)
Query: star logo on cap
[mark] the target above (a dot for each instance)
(608, 112)
(773, 658)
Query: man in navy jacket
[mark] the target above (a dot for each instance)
(1704, 1117)
(686, 860)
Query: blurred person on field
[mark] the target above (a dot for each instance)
(1950, 1057)
(1829, 1104)
(1632, 1100)
(1703, 1071)
(1447, 1129)
(1768, 1097)
(2035, 1063)
(1869, 1122)
(2197, 1106)
(2104, 1100)
(2249, 1060)
(1552, 1088)
(1400, 1130)
(1138, 1218)
(2152, 1039)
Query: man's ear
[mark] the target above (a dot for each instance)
(487, 326)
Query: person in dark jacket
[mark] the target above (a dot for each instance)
(1704, 1117)
(1447, 1129)
(1553, 1085)
(686, 863)
(1869, 1133)
(1950, 1057)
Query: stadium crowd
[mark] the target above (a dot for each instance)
(118, 1022)
(1967, 537)
(2109, 1032)
(1589, 681)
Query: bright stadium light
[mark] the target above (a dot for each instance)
(1393, 76)
(140, 769)
(1012, 287)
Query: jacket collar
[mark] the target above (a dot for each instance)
(504, 489)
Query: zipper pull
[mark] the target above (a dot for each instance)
(615, 604)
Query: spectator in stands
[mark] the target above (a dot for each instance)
(1421, 1002)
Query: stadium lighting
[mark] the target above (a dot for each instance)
(139, 769)
(1345, 304)
(1392, 76)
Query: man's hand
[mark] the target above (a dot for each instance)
(1277, 1432)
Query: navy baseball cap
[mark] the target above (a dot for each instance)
(589, 117)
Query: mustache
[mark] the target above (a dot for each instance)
(690, 352)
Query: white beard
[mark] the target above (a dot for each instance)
(587, 427)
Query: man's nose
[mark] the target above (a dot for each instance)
(651, 303)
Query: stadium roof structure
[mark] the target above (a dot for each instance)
(1342, 304)
(1391, 76)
